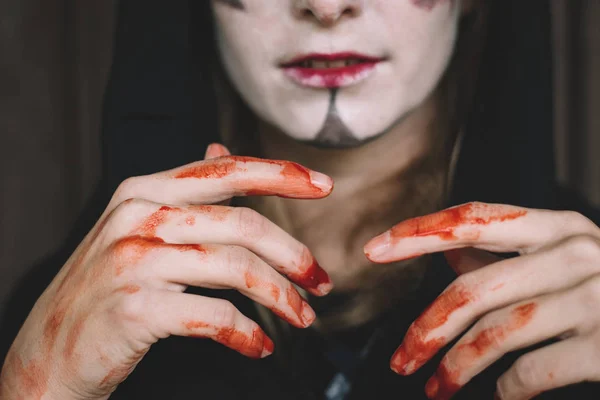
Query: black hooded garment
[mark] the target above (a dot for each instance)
(159, 114)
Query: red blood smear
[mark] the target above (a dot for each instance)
(251, 280)
(415, 347)
(32, 379)
(191, 221)
(468, 353)
(295, 301)
(217, 168)
(275, 292)
(444, 223)
(148, 227)
(216, 213)
(73, 336)
(130, 250)
(297, 176)
(311, 278)
(23, 382)
(251, 346)
(116, 376)
(441, 386)
(196, 325)
(129, 289)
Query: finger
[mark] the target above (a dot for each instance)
(563, 363)
(219, 179)
(230, 267)
(216, 150)
(183, 314)
(492, 227)
(228, 226)
(502, 331)
(557, 268)
(468, 259)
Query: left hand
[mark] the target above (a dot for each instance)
(552, 290)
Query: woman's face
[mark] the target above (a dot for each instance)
(335, 72)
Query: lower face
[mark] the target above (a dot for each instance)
(339, 84)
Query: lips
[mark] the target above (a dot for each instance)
(330, 70)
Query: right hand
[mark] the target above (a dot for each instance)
(122, 289)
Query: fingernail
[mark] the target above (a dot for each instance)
(396, 363)
(321, 181)
(432, 387)
(378, 246)
(400, 363)
(325, 288)
(308, 314)
(268, 347)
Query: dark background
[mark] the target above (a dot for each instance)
(55, 60)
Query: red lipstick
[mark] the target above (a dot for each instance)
(330, 70)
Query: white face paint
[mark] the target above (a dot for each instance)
(402, 46)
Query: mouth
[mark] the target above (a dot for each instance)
(330, 70)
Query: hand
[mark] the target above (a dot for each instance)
(550, 291)
(122, 289)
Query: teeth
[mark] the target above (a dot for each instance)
(322, 64)
(337, 64)
(317, 64)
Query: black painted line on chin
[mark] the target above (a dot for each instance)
(237, 4)
(334, 132)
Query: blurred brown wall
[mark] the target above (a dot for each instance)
(55, 58)
(54, 61)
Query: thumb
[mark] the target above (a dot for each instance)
(216, 150)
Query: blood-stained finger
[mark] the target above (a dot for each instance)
(183, 314)
(492, 227)
(565, 265)
(231, 267)
(223, 225)
(502, 331)
(218, 179)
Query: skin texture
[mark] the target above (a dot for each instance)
(409, 74)
(114, 298)
(503, 304)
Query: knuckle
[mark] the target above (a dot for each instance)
(577, 222)
(527, 372)
(465, 283)
(126, 190)
(590, 294)
(251, 224)
(583, 247)
(491, 333)
(132, 307)
(237, 260)
(224, 314)
(125, 214)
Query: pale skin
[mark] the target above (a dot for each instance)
(121, 291)
(89, 337)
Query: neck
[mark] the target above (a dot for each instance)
(397, 176)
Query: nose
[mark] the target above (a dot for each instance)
(327, 12)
